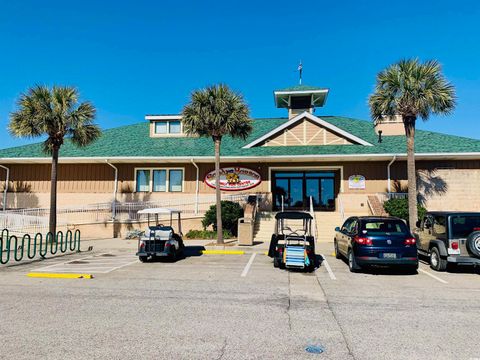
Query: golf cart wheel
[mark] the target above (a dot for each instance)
(337, 253)
(143, 258)
(436, 261)
(352, 263)
(173, 254)
(276, 262)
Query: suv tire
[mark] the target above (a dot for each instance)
(352, 264)
(437, 263)
(473, 243)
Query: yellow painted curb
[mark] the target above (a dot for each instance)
(223, 252)
(333, 254)
(59, 276)
(265, 253)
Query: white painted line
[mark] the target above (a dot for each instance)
(64, 262)
(327, 266)
(121, 266)
(433, 276)
(249, 263)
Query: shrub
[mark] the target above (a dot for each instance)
(206, 234)
(231, 212)
(399, 208)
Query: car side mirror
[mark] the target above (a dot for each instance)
(337, 229)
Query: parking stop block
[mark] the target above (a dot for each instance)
(59, 275)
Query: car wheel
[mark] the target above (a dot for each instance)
(436, 261)
(352, 264)
(337, 253)
(143, 258)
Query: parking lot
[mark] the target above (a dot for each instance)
(234, 307)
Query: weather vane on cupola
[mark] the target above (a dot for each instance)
(299, 69)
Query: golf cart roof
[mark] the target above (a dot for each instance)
(295, 215)
(156, 211)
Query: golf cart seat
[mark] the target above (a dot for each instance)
(160, 232)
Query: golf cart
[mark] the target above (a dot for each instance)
(160, 240)
(292, 245)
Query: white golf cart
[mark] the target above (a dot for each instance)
(161, 240)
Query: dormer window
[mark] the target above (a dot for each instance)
(165, 125)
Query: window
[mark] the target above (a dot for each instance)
(161, 127)
(382, 227)
(439, 225)
(159, 180)
(464, 225)
(175, 181)
(168, 127)
(143, 180)
(174, 127)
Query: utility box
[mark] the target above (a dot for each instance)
(245, 231)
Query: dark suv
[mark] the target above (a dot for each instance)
(449, 237)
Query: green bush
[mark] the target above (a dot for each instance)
(231, 212)
(399, 208)
(206, 234)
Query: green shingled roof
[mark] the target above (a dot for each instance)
(134, 141)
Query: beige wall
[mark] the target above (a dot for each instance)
(92, 183)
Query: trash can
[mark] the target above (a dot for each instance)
(245, 231)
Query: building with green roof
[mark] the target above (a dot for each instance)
(335, 164)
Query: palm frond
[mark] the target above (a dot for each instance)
(413, 89)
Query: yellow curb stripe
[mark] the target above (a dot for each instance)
(223, 252)
(265, 253)
(333, 254)
(59, 276)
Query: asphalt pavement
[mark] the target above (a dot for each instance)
(234, 307)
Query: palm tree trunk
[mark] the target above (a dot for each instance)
(218, 195)
(53, 192)
(409, 123)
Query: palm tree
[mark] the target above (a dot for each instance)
(411, 89)
(215, 112)
(56, 114)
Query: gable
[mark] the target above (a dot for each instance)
(306, 132)
(307, 129)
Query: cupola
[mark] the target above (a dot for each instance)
(300, 98)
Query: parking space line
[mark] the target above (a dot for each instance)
(249, 264)
(327, 266)
(121, 266)
(92, 263)
(433, 276)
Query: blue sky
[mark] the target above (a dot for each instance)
(144, 57)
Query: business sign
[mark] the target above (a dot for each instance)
(234, 179)
(356, 182)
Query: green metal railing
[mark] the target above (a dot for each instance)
(27, 246)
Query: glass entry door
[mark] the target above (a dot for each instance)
(294, 190)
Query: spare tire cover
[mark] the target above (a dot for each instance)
(473, 243)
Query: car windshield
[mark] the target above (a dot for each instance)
(382, 227)
(463, 225)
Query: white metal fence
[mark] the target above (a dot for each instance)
(37, 219)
